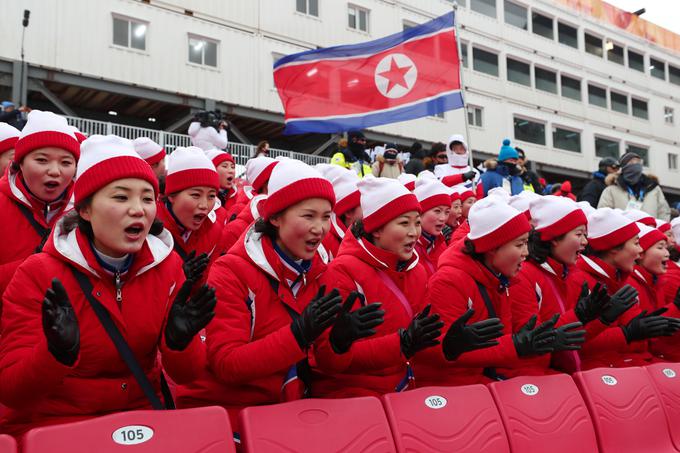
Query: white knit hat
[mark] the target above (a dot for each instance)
(79, 135)
(554, 216)
(106, 159)
(217, 156)
(384, 199)
(640, 217)
(291, 182)
(258, 171)
(493, 223)
(190, 167)
(499, 193)
(43, 130)
(462, 192)
(675, 228)
(649, 236)
(522, 201)
(149, 150)
(586, 207)
(432, 193)
(8, 137)
(408, 180)
(607, 229)
(344, 182)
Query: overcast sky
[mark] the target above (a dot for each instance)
(665, 13)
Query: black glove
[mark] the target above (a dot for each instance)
(447, 232)
(188, 317)
(462, 337)
(318, 316)
(590, 303)
(194, 266)
(569, 339)
(351, 326)
(652, 325)
(60, 324)
(422, 333)
(619, 303)
(469, 175)
(529, 341)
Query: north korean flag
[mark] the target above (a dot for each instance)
(403, 76)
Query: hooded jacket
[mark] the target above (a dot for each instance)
(429, 250)
(498, 175)
(236, 228)
(334, 237)
(618, 195)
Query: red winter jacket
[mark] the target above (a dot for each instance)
(19, 238)
(334, 237)
(228, 200)
(236, 228)
(669, 283)
(242, 200)
(375, 365)
(37, 388)
(459, 234)
(610, 348)
(251, 346)
(451, 291)
(430, 251)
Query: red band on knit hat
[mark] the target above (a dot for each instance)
(664, 227)
(8, 144)
(652, 238)
(616, 237)
(263, 177)
(510, 230)
(45, 139)
(223, 157)
(441, 199)
(109, 170)
(411, 186)
(159, 156)
(195, 177)
(351, 201)
(292, 194)
(564, 225)
(392, 210)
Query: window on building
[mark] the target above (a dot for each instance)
(462, 3)
(202, 51)
(668, 115)
(606, 148)
(357, 18)
(529, 131)
(486, 62)
(567, 35)
(641, 151)
(674, 74)
(657, 68)
(546, 80)
(542, 25)
(129, 33)
(486, 7)
(672, 161)
(636, 60)
(475, 116)
(464, 53)
(614, 52)
(310, 7)
(567, 139)
(516, 15)
(640, 108)
(519, 72)
(593, 44)
(571, 88)
(408, 24)
(619, 102)
(597, 96)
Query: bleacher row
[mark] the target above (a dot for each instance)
(617, 410)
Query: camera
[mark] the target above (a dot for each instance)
(211, 118)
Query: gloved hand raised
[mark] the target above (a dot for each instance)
(319, 315)
(469, 175)
(652, 325)
(423, 332)
(535, 341)
(60, 324)
(194, 266)
(619, 303)
(462, 337)
(351, 326)
(447, 232)
(591, 303)
(188, 317)
(567, 338)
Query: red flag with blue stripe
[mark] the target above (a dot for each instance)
(407, 75)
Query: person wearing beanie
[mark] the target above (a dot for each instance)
(154, 155)
(408, 180)
(53, 348)
(187, 207)
(226, 168)
(523, 201)
(456, 168)
(416, 163)
(8, 138)
(640, 217)
(593, 189)
(668, 285)
(503, 172)
(632, 189)
(378, 265)
(347, 207)
(435, 202)
(472, 281)
(271, 306)
(37, 188)
(610, 257)
(354, 156)
(456, 213)
(467, 200)
(388, 164)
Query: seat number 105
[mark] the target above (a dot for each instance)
(132, 435)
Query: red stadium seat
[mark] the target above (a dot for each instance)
(314, 425)
(542, 411)
(625, 409)
(666, 379)
(204, 430)
(461, 419)
(7, 444)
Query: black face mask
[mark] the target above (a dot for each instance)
(357, 149)
(632, 173)
(513, 169)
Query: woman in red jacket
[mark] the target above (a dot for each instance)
(613, 249)
(226, 169)
(476, 277)
(154, 155)
(271, 306)
(467, 200)
(37, 188)
(57, 361)
(378, 261)
(435, 202)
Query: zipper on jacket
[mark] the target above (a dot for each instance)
(119, 285)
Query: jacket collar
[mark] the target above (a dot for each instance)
(13, 186)
(336, 227)
(375, 256)
(555, 268)
(602, 271)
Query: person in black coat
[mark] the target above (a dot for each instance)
(415, 164)
(529, 177)
(593, 190)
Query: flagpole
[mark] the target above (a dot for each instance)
(462, 89)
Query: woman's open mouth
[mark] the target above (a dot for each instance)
(134, 231)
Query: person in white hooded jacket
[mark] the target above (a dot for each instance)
(459, 163)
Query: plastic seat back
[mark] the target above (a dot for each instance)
(666, 380)
(7, 444)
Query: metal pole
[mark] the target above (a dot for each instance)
(22, 96)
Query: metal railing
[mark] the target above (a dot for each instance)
(171, 140)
